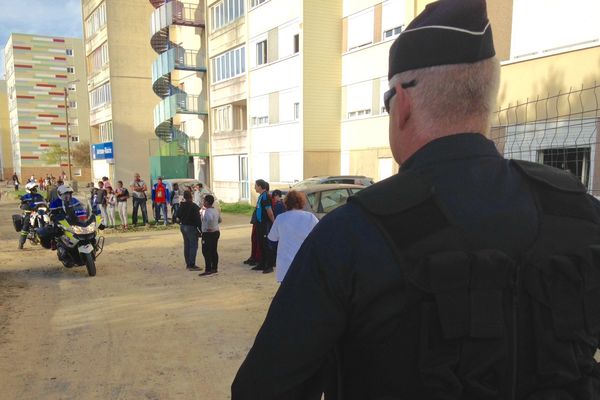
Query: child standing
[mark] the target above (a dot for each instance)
(111, 203)
(210, 235)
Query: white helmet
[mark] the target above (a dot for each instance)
(31, 186)
(64, 189)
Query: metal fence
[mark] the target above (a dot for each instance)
(558, 129)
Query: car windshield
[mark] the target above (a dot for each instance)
(306, 183)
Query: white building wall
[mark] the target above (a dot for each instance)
(274, 77)
(272, 14)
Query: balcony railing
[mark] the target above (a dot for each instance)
(177, 58)
(180, 103)
(177, 13)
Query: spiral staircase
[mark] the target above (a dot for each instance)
(173, 57)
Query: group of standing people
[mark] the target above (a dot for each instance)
(43, 182)
(195, 223)
(105, 200)
(278, 229)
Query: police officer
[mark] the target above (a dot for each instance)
(464, 276)
(29, 202)
(65, 203)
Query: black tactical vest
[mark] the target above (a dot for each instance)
(493, 326)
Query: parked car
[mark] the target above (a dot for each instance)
(324, 198)
(345, 179)
(191, 183)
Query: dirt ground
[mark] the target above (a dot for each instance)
(143, 328)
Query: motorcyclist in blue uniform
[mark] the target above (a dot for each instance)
(29, 202)
(62, 206)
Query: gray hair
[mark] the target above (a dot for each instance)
(451, 95)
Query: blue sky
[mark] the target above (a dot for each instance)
(43, 17)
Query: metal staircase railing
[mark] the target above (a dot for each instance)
(171, 60)
(173, 57)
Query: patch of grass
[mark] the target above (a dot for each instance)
(237, 208)
(17, 194)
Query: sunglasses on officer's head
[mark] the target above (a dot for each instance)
(387, 96)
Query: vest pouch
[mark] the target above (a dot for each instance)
(463, 346)
(564, 292)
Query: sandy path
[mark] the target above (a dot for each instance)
(143, 328)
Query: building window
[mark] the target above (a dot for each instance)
(229, 65)
(392, 32)
(100, 96)
(105, 131)
(259, 108)
(576, 160)
(72, 104)
(296, 111)
(72, 87)
(222, 119)
(261, 52)
(96, 20)
(71, 70)
(69, 52)
(74, 122)
(75, 139)
(296, 43)
(383, 87)
(98, 59)
(360, 29)
(392, 18)
(77, 172)
(254, 3)
(225, 12)
(359, 99)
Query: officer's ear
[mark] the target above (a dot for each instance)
(401, 106)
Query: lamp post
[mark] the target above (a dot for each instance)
(67, 126)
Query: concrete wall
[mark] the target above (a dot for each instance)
(321, 47)
(548, 75)
(6, 164)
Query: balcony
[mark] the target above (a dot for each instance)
(171, 60)
(173, 13)
(180, 103)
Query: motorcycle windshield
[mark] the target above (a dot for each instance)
(77, 214)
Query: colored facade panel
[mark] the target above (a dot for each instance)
(42, 74)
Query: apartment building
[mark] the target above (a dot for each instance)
(6, 168)
(294, 74)
(45, 78)
(119, 82)
(227, 51)
(178, 78)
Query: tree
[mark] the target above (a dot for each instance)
(80, 155)
(56, 155)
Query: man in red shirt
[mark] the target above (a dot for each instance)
(160, 194)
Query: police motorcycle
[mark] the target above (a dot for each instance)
(35, 215)
(72, 233)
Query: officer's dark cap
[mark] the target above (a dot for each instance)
(446, 32)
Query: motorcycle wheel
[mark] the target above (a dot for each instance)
(90, 264)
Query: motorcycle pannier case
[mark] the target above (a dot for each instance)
(17, 222)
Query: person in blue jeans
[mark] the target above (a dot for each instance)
(188, 215)
(138, 195)
(160, 194)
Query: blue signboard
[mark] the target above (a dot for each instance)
(102, 151)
